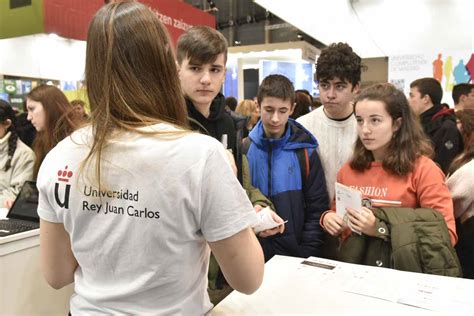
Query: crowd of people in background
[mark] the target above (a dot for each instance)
(27, 137)
(282, 153)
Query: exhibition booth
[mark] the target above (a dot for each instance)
(44, 43)
(422, 38)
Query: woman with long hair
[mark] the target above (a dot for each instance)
(391, 165)
(249, 109)
(16, 159)
(303, 103)
(52, 116)
(130, 202)
(461, 173)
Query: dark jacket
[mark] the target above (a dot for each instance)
(219, 123)
(440, 126)
(25, 130)
(275, 171)
(415, 240)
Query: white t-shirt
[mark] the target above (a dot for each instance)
(336, 142)
(141, 240)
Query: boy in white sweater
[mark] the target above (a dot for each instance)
(338, 72)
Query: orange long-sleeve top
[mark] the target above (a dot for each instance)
(423, 187)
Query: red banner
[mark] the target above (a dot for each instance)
(71, 18)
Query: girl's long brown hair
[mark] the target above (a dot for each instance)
(59, 120)
(466, 117)
(131, 74)
(408, 143)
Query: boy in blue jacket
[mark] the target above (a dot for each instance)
(285, 167)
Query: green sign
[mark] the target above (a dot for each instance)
(9, 86)
(20, 21)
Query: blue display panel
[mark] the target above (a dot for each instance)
(231, 80)
(299, 73)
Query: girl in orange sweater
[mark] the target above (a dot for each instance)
(391, 164)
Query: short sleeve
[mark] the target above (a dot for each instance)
(45, 185)
(224, 207)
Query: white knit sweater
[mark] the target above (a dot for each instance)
(336, 142)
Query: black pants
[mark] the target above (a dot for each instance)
(465, 246)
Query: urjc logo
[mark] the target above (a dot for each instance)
(63, 176)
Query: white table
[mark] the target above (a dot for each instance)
(290, 288)
(23, 290)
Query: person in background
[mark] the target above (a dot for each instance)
(303, 102)
(338, 73)
(390, 166)
(230, 104)
(463, 96)
(52, 116)
(16, 159)
(249, 109)
(277, 148)
(461, 185)
(316, 103)
(154, 218)
(26, 131)
(439, 124)
(445, 106)
(80, 115)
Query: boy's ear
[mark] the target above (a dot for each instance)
(427, 99)
(292, 108)
(223, 77)
(356, 88)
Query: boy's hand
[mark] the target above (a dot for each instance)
(279, 229)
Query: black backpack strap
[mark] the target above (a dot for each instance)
(303, 159)
(196, 126)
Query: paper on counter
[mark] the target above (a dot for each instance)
(438, 294)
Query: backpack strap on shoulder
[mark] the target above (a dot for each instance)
(303, 159)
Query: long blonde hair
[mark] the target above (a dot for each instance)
(246, 107)
(131, 74)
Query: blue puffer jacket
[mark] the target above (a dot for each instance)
(275, 171)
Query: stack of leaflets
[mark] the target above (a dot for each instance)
(347, 197)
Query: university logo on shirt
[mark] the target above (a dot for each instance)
(62, 188)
